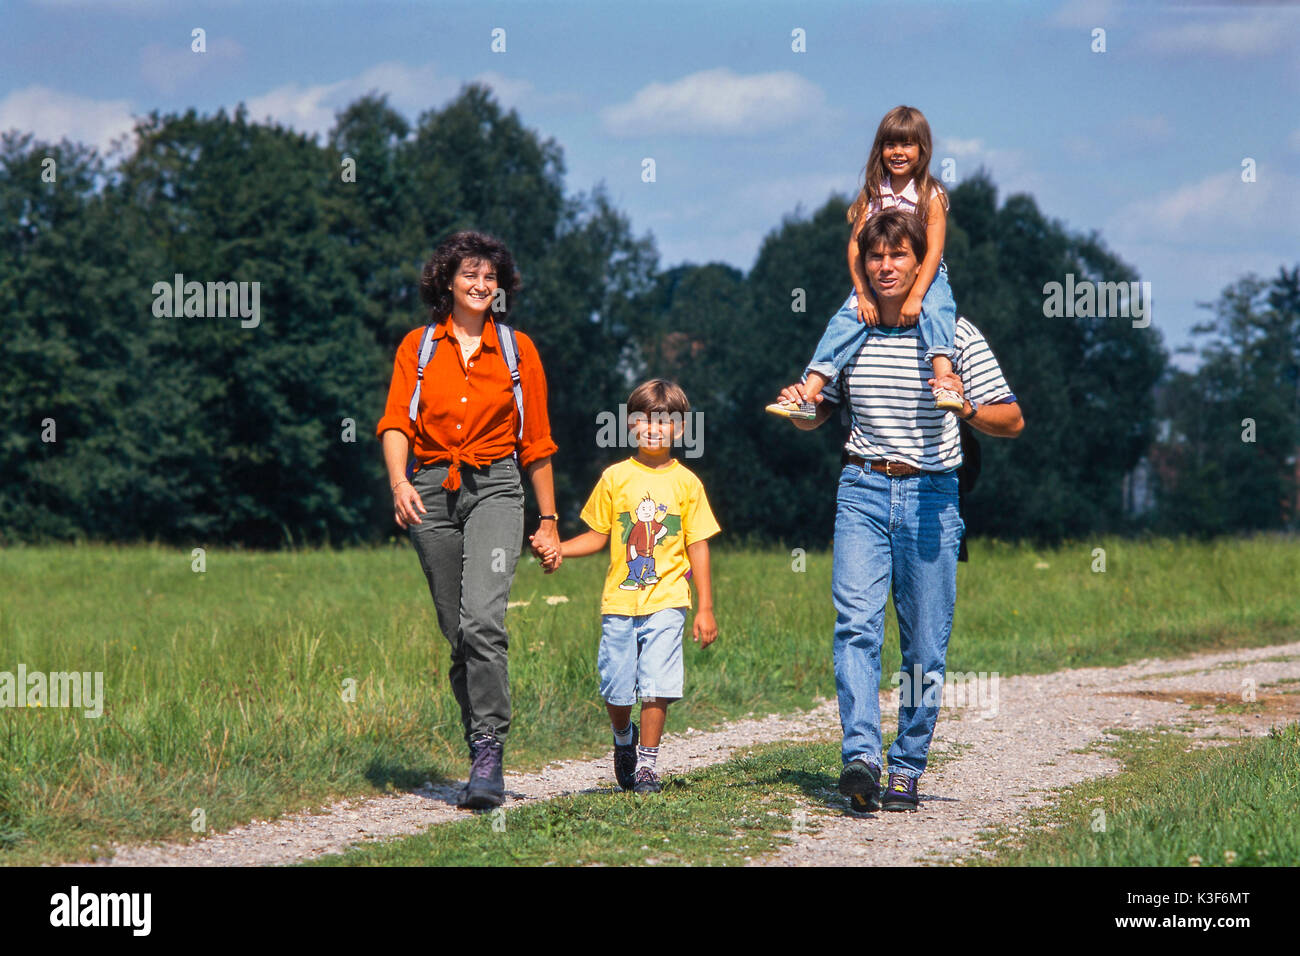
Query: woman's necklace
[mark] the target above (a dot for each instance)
(468, 344)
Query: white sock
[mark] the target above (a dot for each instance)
(623, 737)
(646, 757)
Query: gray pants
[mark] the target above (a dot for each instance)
(469, 545)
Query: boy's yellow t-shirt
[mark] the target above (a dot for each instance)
(650, 515)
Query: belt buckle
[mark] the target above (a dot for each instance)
(888, 473)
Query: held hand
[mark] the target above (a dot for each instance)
(948, 380)
(867, 313)
(796, 393)
(546, 545)
(910, 313)
(706, 628)
(407, 506)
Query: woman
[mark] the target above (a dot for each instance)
(464, 505)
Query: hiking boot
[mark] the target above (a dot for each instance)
(804, 411)
(486, 788)
(860, 782)
(901, 793)
(647, 781)
(625, 762)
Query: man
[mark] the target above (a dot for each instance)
(897, 518)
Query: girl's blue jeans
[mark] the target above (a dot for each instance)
(845, 333)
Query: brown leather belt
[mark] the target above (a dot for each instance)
(894, 469)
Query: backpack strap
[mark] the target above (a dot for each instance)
(428, 344)
(510, 351)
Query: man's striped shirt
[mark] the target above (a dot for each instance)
(893, 406)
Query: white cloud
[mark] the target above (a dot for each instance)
(307, 109)
(1219, 211)
(168, 67)
(311, 109)
(510, 93)
(1253, 36)
(1009, 168)
(411, 90)
(718, 101)
(52, 115)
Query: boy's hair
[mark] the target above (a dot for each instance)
(902, 124)
(891, 227)
(446, 260)
(658, 395)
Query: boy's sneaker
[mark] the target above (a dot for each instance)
(486, 788)
(647, 781)
(947, 400)
(625, 762)
(901, 793)
(860, 782)
(631, 584)
(805, 411)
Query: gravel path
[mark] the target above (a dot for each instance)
(300, 836)
(1001, 766)
(1002, 760)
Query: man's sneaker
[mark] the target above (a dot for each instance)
(901, 793)
(948, 400)
(647, 781)
(806, 411)
(625, 762)
(486, 788)
(860, 782)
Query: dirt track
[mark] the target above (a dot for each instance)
(1002, 760)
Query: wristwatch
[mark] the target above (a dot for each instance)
(973, 407)
(548, 517)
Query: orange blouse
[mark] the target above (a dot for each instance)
(467, 409)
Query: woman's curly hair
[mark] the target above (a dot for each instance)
(438, 272)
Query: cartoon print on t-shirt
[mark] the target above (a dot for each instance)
(640, 537)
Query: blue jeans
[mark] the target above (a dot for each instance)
(641, 655)
(845, 333)
(903, 531)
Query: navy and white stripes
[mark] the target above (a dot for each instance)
(893, 406)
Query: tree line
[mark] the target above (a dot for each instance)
(124, 424)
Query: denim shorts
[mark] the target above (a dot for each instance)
(641, 656)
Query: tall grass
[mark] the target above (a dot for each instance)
(225, 689)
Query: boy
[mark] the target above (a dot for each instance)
(652, 513)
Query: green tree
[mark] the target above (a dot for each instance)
(1230, 462)
(1086, 385)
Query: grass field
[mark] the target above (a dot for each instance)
(225, 689)
(1172, 806)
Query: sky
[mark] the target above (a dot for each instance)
(1174, 132)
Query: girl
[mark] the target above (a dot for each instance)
(897, 174)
